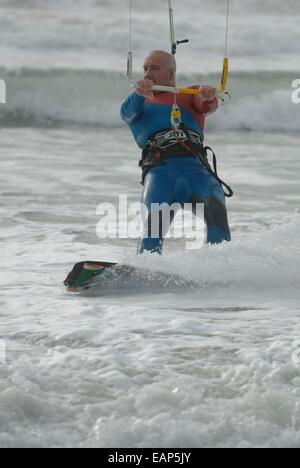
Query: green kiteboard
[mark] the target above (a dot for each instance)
(84, 273)
(84, 276)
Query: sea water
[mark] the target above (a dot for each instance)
(212, 359)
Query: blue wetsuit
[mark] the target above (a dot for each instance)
(180, 180)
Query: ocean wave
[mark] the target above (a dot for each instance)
(259, 101)
(272, 112)
(64, 33)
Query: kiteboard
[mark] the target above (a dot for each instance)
(84, 273)
(105, 275)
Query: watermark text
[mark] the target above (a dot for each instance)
(296, 93)
(126, 220)
(296, 352)
(2, 353)
(2, 92)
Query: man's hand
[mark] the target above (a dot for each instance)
(207, 93)
(144, 88)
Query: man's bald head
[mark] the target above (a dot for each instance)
(165, 58)
(160, 67)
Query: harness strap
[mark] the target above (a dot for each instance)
(204, 160)
(155, 153)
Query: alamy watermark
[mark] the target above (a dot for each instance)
(135, 220)
(2, 92)
(296, 352)
(296, 93)
(2, 353)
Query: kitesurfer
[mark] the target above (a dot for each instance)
(174, 162)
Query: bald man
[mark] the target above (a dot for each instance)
(172, 171)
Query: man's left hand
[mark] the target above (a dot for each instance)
(207, 93)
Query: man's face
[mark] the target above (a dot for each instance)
(157, 69)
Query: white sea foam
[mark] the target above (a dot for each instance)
(216, 365)
(269, 260)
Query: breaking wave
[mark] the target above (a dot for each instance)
(260, 101)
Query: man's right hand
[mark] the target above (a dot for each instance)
(144, 88)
